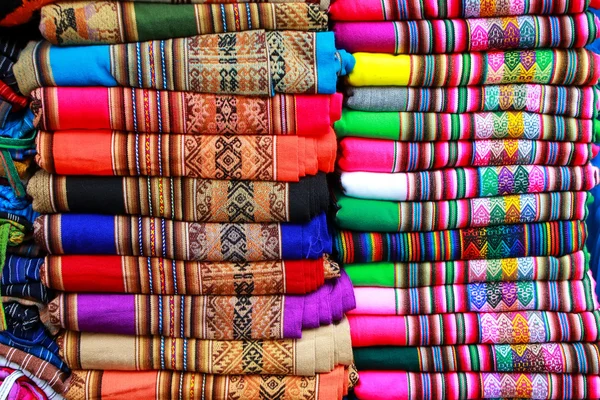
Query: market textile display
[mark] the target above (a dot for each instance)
(461, 197)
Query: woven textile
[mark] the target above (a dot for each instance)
(466, 183)
(578, 358)
(472, 328)
(160, 385)
(250, 63)
(377, 10)
(19, 386)
(570, 101)
(103, 152)
(307, 356)
(115, 274)
(420, 127)
(111, 22)
(21, 278)
(386, 216)
(181, 199)
(493, 297)
(374, 155)
(408, 275)
(542, 66)
(143, 110)
(504, 241)
(386, 385)
(468, 35)
(192, 241)
(203, 317)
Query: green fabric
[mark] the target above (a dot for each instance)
(381, 125)
(371, 274)
(366, 215)
(176, 21)
(386, 358)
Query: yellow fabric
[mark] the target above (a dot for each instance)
(373, 69)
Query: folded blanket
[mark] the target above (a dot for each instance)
(387, 216)
(21, 278)
(192, 241)
(466, 183)
(494, 297)
(203, 317)
(251, 63)
(143, 110)
(377, 10)
(181, 199)
(542, 66)
(409, 275)
(396, 385)
(306, 357)
(18, 386)
(505, 241)
(109, 22)
(473, 328)
(570, 101)
(433, 127)
(374, 155)
(157, 385)
(560, 358)
(468, 35)
(106, 153)
(116, 274)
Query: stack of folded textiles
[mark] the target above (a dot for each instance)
(465, 149)
(183, 197)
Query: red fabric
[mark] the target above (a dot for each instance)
(88, 279)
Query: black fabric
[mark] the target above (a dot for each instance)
(308, 198)
(97, 194)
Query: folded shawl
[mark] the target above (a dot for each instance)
(250, 63)
(570, 101)
(192, 241)
(468, 35)
(391, 10)
(203, 317)
(145, 275)
(431, 127)
(542, 66)
(409, 275)
(181, 199)
(474, 328)
(493, 297)
(505, 241)
(107, 153)
(109, 22)
(319, 351)
(386, 216)
(398, 385)
(466, 183)
(143, 110)
(375, 155)
(560, 358)
(160, 385)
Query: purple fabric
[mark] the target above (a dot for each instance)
(310, 316)
(117, 313)
(325, 312)
(292, 316)
(337, 307)
(370, 37)
(348, 299)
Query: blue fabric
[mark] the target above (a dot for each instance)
(331, 63)
(88, 234)
(309, 240)
(10, 203)
(18, 125)
(91, 68)
(21, 278)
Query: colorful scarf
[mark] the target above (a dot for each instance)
(16, 385)
(108, 153)
(385, 385)
(250, 63)
(110, 22)
(160, 385)
(203, 317)
(570, 101)
(468, 35)
(505, 241)
(141, 275)
(191, 241)
(374, 155)
(542, 66)
(21, 278)
(152, 111)
(319, 351)
(466, 183)
(390, 10)
(472, 328)
(181, 199)
(433, 127)
(409, 275)
(387, 216)
(560, 358)
(494, 297)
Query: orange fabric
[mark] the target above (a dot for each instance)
(24, 13)
(116, 385)
(91, 151)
